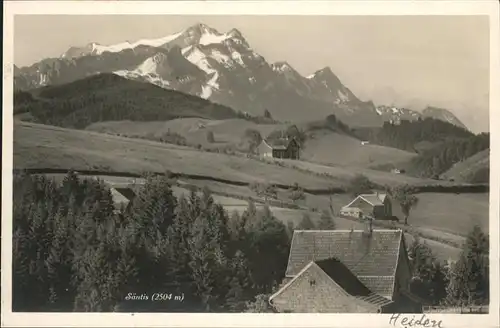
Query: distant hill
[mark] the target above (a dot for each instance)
(443, 115)
(398, 114)
(108, 97)
(474, 169)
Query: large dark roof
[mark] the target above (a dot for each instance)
(372, 258)
(343, 276)
(349, 282)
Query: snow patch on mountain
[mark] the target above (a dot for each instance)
(221, 58)
(342, 96)
(210, 38)
(43, 79)
(236, 56)
(185, 50)
(211, 85)
(199, 59)
(152, 78)
(98, 49)
(282, 67)
(150, 65)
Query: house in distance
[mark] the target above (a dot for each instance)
(283, 148)
(376, 206)
(347, 271)
(122, 197)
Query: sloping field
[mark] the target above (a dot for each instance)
(326, 147)
(40, 146)
(226, 132)
(443, 215)
(454, 213)
(322, 146)
(346, 173)
(465, 171)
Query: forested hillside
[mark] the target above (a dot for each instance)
(408, 135)
(72, 253)
(475, 169)
(108, 97)
(439, 145)
(439, 159)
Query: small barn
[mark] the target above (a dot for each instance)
(376, 205)
(282, 148)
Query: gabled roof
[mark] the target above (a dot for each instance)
(338, 273)
(279, 143)
(372, 258)
(122, 196)
(375, 199)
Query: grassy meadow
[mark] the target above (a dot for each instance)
(330, 148)
(321, 146)
(39, 146)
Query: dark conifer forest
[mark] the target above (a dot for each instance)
(73, 252)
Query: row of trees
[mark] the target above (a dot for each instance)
(325, 222)
(461, 283)
(332, 123)
(73, 253)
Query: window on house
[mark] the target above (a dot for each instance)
(312, 282)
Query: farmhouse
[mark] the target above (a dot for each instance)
(347, 271)
(287, 148)
(377, 206)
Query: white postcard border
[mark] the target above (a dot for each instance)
(12, 8)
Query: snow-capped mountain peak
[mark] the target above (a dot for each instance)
(198, 34)
(222, 67)
(95, 48)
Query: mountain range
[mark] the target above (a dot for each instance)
(223, 68)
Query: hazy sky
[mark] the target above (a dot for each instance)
(405, 60)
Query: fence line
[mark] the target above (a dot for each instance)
(457, 309)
